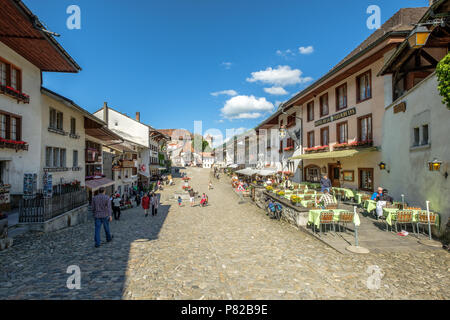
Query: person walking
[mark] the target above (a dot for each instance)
(155, 204)
(146, 204)
(203, 200)
(179, 201)
(210, 185)
(101, 209)
(192, 197)
(116, 207)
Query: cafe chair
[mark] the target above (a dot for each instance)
(422, 219)
(345, 218)
(404, 217)
(326, 218)
(331, 206)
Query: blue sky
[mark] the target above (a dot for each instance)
(166, 58)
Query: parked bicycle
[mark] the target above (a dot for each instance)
(274, 209)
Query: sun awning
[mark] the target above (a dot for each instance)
(247, 172)
(99, 183)
(334, 154)
(232, 166)
(266, 172)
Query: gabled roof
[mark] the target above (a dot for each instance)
(404, 48)
(400, 24)
(22, 31)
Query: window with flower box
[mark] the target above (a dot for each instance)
(341, 97)
(289, 145)
(310, 111)
(11, 81)
(324, 110)
(363, 87)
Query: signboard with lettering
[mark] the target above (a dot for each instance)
(337, 116)
(401, 107)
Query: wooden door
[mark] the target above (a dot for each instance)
(334, 174)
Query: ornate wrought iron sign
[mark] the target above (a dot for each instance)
(337, 116)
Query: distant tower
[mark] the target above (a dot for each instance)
(210, 140)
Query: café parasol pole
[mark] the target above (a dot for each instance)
(356, 248)
(430, 242)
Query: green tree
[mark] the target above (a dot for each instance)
(443, 75)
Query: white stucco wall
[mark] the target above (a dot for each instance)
(23, 161)
(409, 173)
(126, 127)
(51, 139)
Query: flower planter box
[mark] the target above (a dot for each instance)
(13, 144)
(15, 94)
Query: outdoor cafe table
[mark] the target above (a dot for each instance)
(314, 216)
(349, 193)
(370, 205)
(391, 215)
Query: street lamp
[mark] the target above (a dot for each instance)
(419, 36)
(434, 165)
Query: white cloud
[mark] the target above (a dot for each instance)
(227, 65)
(276, 91)
(281, 76)
(225, 92)
(306, 50)
(285, 53)
(246, 107)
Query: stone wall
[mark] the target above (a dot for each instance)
(71, 218)
(297, 216)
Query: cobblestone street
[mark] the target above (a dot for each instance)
(225, 251)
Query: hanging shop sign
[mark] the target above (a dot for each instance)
(337, 116)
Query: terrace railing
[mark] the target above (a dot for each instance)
(41, 209)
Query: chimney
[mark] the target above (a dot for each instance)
(138, 116)
(105, 112)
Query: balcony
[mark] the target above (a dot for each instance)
(13, 144)
(15, 94)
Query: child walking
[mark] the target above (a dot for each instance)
(179, 201)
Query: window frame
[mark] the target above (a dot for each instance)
(360, 177)
(338, 108)
(308, 134)
(311, 103)
(422, 137)
(358, 97)
(327, 128)
(8, 125)
(9, 67)
(321, 105)
(369, 115)
(338, 131)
